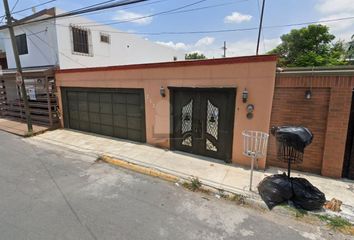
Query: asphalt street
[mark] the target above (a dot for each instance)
(48, 193)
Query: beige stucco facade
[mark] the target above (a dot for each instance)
(256, 73)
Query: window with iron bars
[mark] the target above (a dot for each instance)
(21, 42)
(81, 40)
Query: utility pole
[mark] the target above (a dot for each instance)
(224, 48)
(19, 78)
(260, 27)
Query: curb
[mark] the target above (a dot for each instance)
(139, 169)
(248, 199)
(175, 179)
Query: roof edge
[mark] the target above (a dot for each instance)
(46, 11)
(185, 63)
(344, 70)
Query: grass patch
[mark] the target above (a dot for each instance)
(194, 184)
(298, 212)
(338, 223)
(335, 222)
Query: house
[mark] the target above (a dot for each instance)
(322, 100)
(63, 43)
(191, 106)
(198, 107)
(76, 42)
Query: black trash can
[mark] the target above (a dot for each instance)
(291, 143)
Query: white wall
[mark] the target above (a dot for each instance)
(41, 44)
(54, 46)
(124, 48)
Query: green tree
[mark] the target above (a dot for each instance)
(309, 46)
(350, 51)
(195, 55)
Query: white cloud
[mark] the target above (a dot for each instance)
(212, 49)
(206, 41)
(176, 46)
(137, 18)
(242, 47)
(270, 44)
(201, 43)
(237, 17)
(338, 25)
(336, 9)
(335, 6)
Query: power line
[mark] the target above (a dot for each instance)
(25, 9)
(39, 49)
(93, 9)
(150, 15)
(34, 6)
(223, 30)
(129, 7)
(176, 12)
(91, 6)
(13, 7)
(49, 45)
(28, 34)
(83, 10)
(208, 7)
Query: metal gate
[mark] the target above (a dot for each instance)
(113, 112)
(203, 121)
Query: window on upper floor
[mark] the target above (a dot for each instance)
(21, 42)
(81, 41)
(105, 38)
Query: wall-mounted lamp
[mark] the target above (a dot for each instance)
(250, 109)
(308, 94)
(244, 95)
(162, 91)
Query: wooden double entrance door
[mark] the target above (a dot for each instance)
(203, 121)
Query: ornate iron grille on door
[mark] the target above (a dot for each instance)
(203, 121)
(212, 126)
(187, 118)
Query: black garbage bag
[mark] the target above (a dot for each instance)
(306, 195)
(296, 137)
(275, 189)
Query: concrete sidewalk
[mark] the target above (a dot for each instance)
(211, 172)
(18, 127)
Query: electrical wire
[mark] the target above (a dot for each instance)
(223, 30)
(150, 15)
(176, 12)
(38, 48)
(49, 45)
(26, 34)
(82, 10)
(13, 7)
(25, 9)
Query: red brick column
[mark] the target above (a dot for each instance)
(336, 134)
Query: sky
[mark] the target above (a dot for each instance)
(214, 15)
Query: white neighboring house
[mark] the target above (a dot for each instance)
(74, 42)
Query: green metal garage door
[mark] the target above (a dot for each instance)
(113, 112)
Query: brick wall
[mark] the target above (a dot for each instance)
(326, 114)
